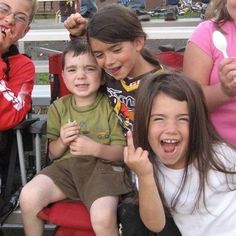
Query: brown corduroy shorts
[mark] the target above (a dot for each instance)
(88, 178)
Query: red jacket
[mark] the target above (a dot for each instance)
(15, 90)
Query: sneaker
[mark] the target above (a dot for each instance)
(143, 15)
(171, 13)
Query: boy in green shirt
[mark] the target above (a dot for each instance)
(86, 143)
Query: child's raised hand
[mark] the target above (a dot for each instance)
(69, 132)
(137, 159)
(227, 72)
(83, 146)
(76, 24)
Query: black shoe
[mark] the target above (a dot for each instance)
(143, 15)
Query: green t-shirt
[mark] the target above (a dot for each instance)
(97, 121)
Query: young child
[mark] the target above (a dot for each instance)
(182, 165)
(16, 70)
(117, 39)
(86, 143)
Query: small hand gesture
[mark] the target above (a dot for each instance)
(69, 132)
(227, 72)
(76, 24)
(137, 159)
(83, 146)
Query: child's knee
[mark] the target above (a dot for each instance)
(103, 221)
(29, 199)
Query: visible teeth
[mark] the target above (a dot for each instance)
(3, 31)
(170, 141)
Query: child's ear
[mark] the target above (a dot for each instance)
(139, 43)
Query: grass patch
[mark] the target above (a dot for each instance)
(42, 79)
(44, 15)
(190, 14)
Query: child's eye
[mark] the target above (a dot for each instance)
(184, 119)
(98, 55)
(157, 119)
(116, 50)
(71, 70)
(90, 69)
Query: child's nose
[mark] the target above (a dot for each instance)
(10, 18)
(171, 126)
(80, 74)
(109, 60)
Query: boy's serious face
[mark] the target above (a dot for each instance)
(82, 77)
(168, 131)
(14, 21)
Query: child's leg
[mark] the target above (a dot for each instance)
(36, 195)
(103, 213)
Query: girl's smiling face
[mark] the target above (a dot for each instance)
(168, 131)
(118, 59)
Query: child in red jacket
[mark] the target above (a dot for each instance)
(16, 70)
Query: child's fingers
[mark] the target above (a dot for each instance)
(130, 142)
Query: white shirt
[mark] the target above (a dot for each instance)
(220, 216)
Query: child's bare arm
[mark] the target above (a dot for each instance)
(151, 208)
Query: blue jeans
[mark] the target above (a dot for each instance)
(134, 4)
(172, 2)
(88, 6)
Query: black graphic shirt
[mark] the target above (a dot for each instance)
(122, 93)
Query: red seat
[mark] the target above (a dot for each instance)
(71, 217)
(58, 87)
(171, 59)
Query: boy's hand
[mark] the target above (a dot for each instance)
(227, 72)
(76, 24)
(69, 132)
(137, 159)
(83, 146)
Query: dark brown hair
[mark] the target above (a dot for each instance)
(77, 46)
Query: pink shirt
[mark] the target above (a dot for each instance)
(224, 117)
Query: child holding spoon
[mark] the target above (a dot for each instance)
(216, 74)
